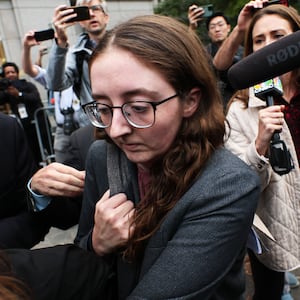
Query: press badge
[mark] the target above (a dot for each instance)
(76, 104)
(22, 111)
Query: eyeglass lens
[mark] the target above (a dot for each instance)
(96, 7)
(138, 114)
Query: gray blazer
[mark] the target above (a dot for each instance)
(199, 249)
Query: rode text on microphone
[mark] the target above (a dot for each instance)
(268, 62)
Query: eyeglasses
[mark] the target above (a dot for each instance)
(96, 8)
(139, 114)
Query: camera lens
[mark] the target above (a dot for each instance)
(69, 125)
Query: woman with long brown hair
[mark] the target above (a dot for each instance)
(171, 206)
(252, 125)
(166, 209)
(11, 288)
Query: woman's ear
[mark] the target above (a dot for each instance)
(191, 102)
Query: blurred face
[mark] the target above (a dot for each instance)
(269, 29)
(10, 73)
(96, 25)
(117, 77)
(218, 29)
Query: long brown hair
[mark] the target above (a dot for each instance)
(289, 14)
(11, 288)
(166, 45)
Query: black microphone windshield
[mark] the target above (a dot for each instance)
(271, 61)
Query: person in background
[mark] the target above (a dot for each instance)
(160, 186)
(55, 195)
(17, 167)
(252, 124)
(69, 65)
(62, 99)
(218, 29)
(24, 100)
(64, 180)
(41, 53)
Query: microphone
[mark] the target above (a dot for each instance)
(279, 155)
(269, 89)
(271, 61)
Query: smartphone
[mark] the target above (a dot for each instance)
(208, 10)
(283, 2)
(83, 13)
(44, 35)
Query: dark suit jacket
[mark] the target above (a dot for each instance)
(197, 253)
(24, 230)
(17, 166)
(80, 142)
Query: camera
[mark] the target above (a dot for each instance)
(4, 84)
(69, 125)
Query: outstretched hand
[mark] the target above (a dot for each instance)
(58, 179)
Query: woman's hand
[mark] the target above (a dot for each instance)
(113, 223)
(271, 119)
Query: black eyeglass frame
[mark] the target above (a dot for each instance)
(97, 7)
(153, 104)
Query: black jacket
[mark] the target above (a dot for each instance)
(17, 167)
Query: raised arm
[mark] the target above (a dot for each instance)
(195, 16)
(224, 57)
(27, 65)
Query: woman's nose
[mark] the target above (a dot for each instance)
(119, 125)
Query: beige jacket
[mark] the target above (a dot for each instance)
(279, 204)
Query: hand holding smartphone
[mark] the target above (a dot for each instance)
(44, 35)
(282, 2)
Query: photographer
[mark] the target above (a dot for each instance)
(66, 104)
(24, 99)
(69, 65)
(218, 29)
